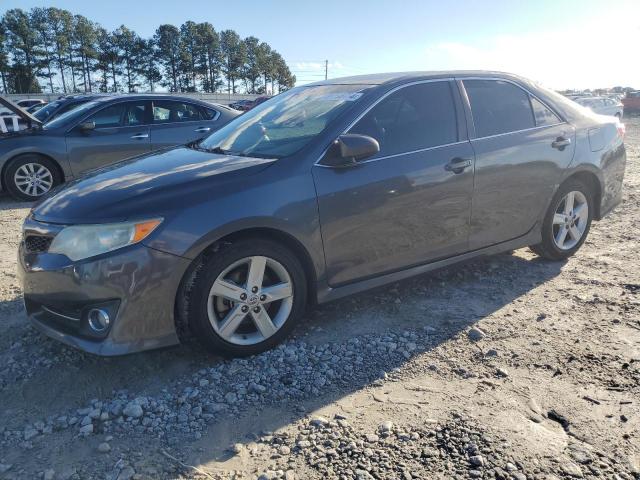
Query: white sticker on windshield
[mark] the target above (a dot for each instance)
(340, 97)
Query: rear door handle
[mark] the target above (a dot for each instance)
(561, 142)
(203, 129)
(458, 165)
(140, 136)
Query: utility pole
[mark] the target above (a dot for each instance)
(326, 69)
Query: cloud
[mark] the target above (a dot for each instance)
(590, 55)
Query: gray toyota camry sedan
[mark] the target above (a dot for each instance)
(85, 132)
(322, 191)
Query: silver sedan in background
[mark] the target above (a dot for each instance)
(603, 105)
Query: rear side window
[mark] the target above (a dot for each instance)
(166, 111)
(412, 118)
(135, 113)
(208, 113)
(108, 117)
(498, 107)
(542, 114)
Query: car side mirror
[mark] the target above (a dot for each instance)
(87, 126)
(350, 148)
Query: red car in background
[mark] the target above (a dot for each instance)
(258, 101)
(632, 102)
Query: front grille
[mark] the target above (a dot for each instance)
(37, 243)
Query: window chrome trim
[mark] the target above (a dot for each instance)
(399, 154)
(125, 100)
(526, 90)
(370, 107)
(518, 131)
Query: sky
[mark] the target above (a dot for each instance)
(561, 43)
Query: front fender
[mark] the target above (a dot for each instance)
(287, 206)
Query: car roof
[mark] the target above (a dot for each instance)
(105, 97)
(394, 77)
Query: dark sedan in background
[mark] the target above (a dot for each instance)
(322, 191)
(92, 132)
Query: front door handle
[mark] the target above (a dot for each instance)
(458, 165)
(202, 129)
(140, 136)
(561, 142)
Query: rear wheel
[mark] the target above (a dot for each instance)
(567, 222)
(246, 298)
(29, 177)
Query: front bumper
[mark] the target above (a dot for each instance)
(137, 285)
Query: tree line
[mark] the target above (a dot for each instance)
(53, 50)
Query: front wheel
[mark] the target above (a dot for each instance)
(30, 176)
(245, 298)
(567, 222)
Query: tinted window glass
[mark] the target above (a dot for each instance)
(108, 117)
(170, 112)
(498, 107)
(209, 113)
(543, 115)
(412, 118)
(135, 113)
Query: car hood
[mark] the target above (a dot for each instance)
(154, 184)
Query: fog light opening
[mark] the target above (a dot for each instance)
(98, 320)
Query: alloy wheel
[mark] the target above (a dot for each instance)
(570, 220)
(250, 300)
(33, 179)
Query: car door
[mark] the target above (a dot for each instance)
(177, 123)
(410, 203)
(521, 148)
(121, 131)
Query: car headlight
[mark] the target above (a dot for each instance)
(83, 241)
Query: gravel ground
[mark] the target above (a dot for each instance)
(508, 367)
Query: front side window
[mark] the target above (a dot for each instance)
(285, 123)
(498, 107)
(108, 117)
(413, 118)
(542, 114)
(167, 111)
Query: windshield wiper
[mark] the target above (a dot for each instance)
(197, 145)
(219, 150)
(256, 155)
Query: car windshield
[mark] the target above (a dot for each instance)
(47, 110)
(71, 115)
(285, 123)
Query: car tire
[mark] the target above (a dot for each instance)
(561, 227)
(25, 168)
(218, 290)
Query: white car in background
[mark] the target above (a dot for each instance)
(602, 105)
